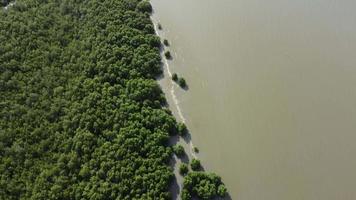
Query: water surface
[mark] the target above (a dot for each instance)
(272, 100)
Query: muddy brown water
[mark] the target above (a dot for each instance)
(271, 102)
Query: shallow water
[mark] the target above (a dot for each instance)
(272, 100)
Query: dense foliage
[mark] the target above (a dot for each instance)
(203, 186)
(178, 150)
(80, 112)
(182, 129)
(183, 169)
(195, 164)
(144, 6)
(81, 115)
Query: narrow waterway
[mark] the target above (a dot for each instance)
(272, 100)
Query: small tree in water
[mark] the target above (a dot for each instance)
(196, 150)
(159, 26)
(182, 83)
(165, 42)
(168, 55)
(182, 129)
(175, 77)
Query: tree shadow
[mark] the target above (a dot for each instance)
(174, 188)
(160, 76)
(201, 169)
(152, 12)
(184, 158)
(226, 197)
(186, 87)
(187, 137)
(173, 140)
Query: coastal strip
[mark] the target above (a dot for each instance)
(166, 66)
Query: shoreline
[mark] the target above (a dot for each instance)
(169, 87)
(173, 86)
(176, 101)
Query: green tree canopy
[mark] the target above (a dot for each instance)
(203, 186)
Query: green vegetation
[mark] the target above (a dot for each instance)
(81, 114)
(182, 128)
(178, 150)
(168, 55)
(144, 6)
(183, 169)
(195, 149)
(165, 42)
(202, 185)
(175, 77)
(195, 164)
(181, 82)
(80, 111)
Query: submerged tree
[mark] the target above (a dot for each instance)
(181, 82)
(195, 149)
(175, 77)
(165, 42)
(168, 55)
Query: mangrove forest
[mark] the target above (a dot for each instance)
(81, 114)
